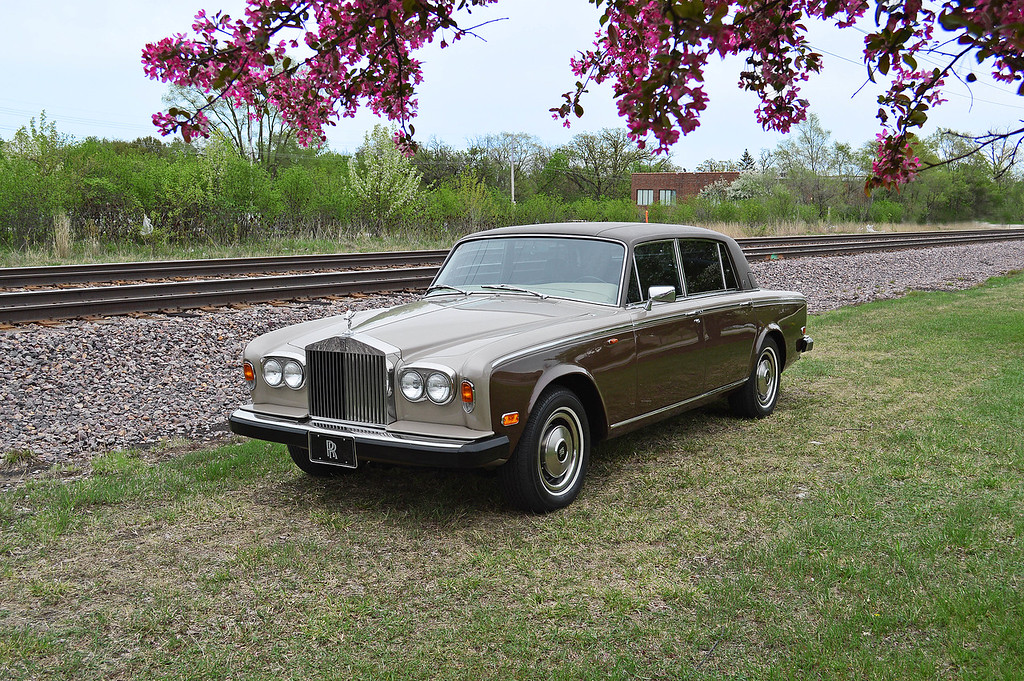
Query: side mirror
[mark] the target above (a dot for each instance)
(660, 294)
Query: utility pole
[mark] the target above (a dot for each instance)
(512, 170)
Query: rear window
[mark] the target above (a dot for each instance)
(706, 266)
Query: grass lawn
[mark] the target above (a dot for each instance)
(872, 528)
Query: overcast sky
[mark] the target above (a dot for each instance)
(80, 61)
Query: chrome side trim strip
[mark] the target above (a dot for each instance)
(776, 301)
(677, 405)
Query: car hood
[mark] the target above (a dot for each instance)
(447, 326)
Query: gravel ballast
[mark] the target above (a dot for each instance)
(71, 391)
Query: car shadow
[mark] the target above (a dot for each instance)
(456, 497)
(407, 493)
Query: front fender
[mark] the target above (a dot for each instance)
(515, 388)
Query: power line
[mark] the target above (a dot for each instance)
(946, 90)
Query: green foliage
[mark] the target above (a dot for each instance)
(35, 186)
(384, 181)
(156, 195)
(885, 211)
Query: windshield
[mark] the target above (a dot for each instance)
(574, 268)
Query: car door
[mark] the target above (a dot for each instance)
(727, 315)
(670, 367)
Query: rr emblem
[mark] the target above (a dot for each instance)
(332, 450)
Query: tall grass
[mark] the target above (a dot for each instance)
(63, 237)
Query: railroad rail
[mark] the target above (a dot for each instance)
(327, 275)
(56, 275)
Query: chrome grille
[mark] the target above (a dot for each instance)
(348, 381)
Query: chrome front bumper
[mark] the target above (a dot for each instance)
(378, 446)
(805, 344)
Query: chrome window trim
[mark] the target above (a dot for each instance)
(721, 267)
(680, 272)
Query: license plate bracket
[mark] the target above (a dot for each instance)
(332, 450)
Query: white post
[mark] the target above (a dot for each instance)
(512, 169)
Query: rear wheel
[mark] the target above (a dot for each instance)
(758, 396)
(547, 468)
(300, 455)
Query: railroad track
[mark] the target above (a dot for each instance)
(128, 290)
(57, 275)
(839, 244)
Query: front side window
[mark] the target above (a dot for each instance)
(574, 268)
(655, 266)
(644, 197)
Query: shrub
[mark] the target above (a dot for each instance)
(885, 211)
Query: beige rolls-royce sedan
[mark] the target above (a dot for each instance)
(532, 344)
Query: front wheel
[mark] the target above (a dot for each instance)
(547, 468)
(758, 396)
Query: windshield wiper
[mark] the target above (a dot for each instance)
(438, 287)
(517, 289)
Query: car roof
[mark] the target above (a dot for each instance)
(627, 232)
(631, 234)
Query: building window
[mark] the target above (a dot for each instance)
(644, 197)
(667, 197)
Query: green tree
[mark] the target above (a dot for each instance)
(746, 164)
(600, 164)
(384, 180)
(256, 131)
(710, 165)
(35, 186)
(512, 157)
(816, 168)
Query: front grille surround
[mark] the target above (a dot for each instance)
(349, 380)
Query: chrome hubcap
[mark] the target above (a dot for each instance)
(767, 377)
(560, 451)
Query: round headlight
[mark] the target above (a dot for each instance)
(439, 388)
(293, 374)
(273, 372)
(412, 385)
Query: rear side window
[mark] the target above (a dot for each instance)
(706, 266)
(655, 266)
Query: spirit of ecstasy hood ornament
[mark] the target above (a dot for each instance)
(349, 314)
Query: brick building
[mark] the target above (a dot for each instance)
(667, 188)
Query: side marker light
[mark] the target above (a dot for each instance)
(510, 419)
